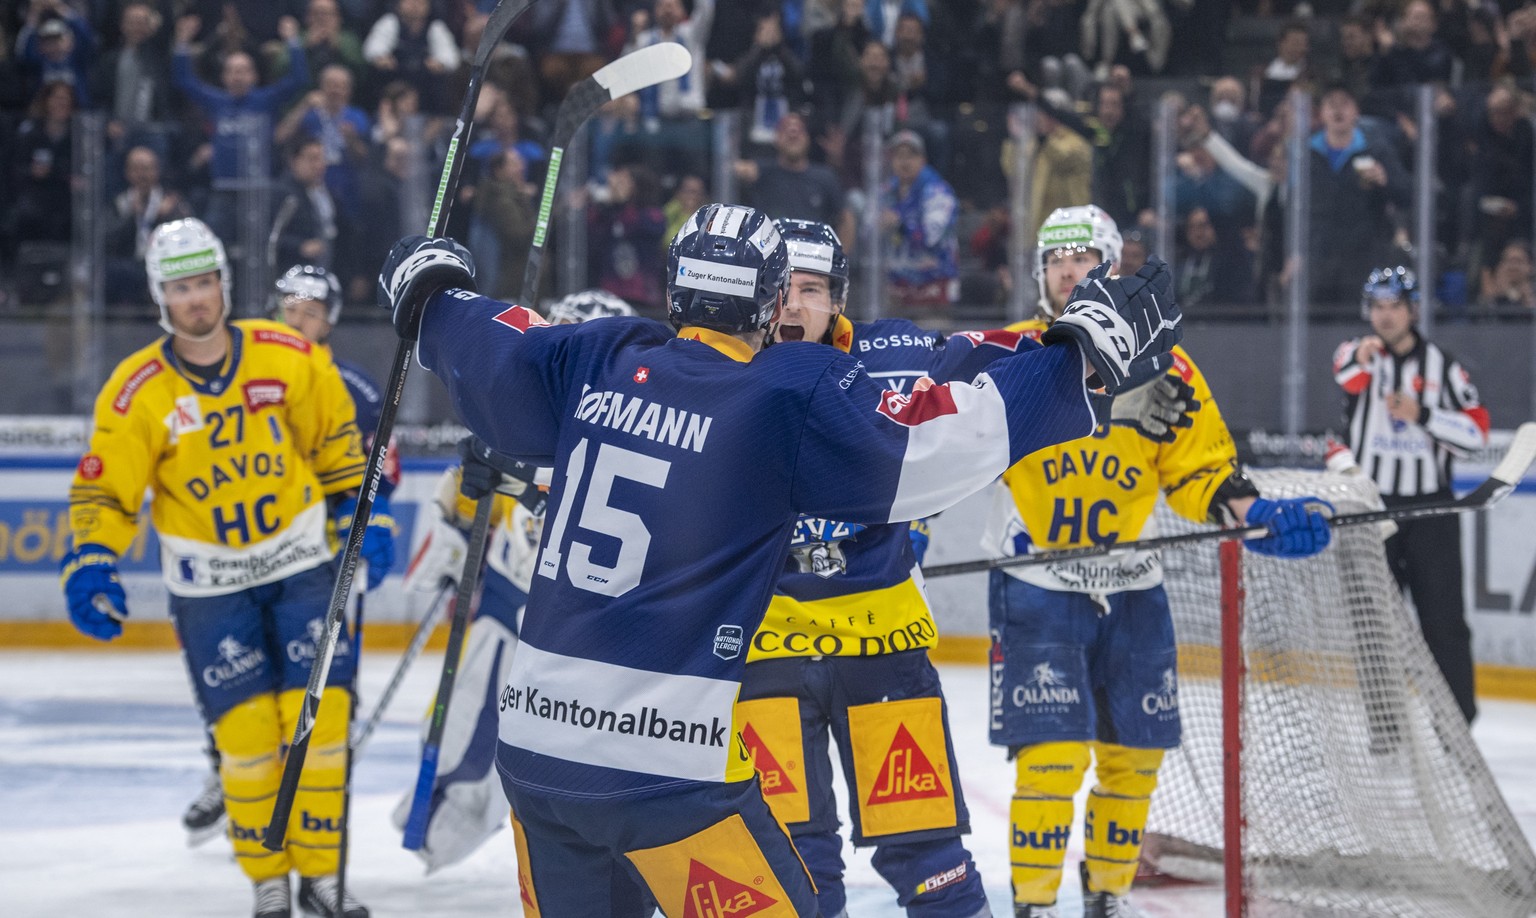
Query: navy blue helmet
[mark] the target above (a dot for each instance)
(1389, 284)
(308, 282)
(726, 270)
(814, 247)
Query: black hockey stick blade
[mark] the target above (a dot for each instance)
(1517, 460)
(275, 836)
(633, 72)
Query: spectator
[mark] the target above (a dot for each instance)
(1063, 162)
(1210, 272)
(874, 92)
(1415, 54)
(386, 208)
(1229, 112)
(574, 39)
(1409, 408)
(624, 240)
(918, 214)
(669, 113)
(1122, 138)
(343, 130)
(920, 76)
(834, 65)
(501, 131)
(1134, 249)
(687, 198)
(1289, 65)
(142, 206)
(327, 42)
(41, 167)
(306, 227)
(1199, 182)
(1356, 180)
(1146, 29)
(505, 212)
(883, 16)
(236, 109)
(1357, 55)
(1051, 36)
(1499, 159)
(410, 45)
(770, 78)
(509, 69)
(729, 39)
(790, 185)
(130, 81)
(55, 45)
(1509, 286)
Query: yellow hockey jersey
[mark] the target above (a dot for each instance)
(1103, 488)
(238, 467)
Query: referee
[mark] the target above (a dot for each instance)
(1410, 407)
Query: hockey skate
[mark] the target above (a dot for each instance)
(1103, 904)
(204, 817)
(1025, 910)
(317, 897)
(273, 899)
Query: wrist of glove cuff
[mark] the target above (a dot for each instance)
(416, 269)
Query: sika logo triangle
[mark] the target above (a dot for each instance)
(906, 773)
(775, 779)
(711, 895)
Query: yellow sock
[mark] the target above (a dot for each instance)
(248, 738)
(314, 829)
(1117, 815)
(1040, 817)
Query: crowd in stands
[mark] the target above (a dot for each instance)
(346, 92)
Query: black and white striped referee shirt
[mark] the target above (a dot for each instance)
(1406, 458)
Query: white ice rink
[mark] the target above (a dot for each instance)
(99, 754)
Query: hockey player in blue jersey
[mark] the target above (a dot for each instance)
(681, 465)
(843, 650)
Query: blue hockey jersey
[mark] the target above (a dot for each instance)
(851, 590)
(681, 465)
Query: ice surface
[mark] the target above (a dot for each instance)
(100, 753)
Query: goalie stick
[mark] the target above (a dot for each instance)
(412, 651)
(496, 26)
(1517, 460)
(633, 72)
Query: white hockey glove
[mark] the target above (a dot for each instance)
(440, 560)
(1120, 322)
(1157, 409)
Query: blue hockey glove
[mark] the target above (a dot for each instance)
(1120, 323)
(97, 603)
(1298, 526)
(416, 268)
(918, 532)
(378, 538)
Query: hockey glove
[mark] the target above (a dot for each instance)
(416, 268)
(1119, 323)
(378, 538)
(440, 560)
(97, 603)
(919, 532)
(486, 470)
(1298, 526)
(1158, 409)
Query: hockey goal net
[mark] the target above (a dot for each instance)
(1361, 791)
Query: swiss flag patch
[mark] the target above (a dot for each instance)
(926, 402)
(642, 374)
(519, 318)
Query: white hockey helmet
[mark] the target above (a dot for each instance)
(183, 248)
(587, 305)
(1075, 229)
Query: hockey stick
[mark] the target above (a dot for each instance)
(345, 842)
(412, 651)
(426, 775)
(633, 72)
(1517, 460)
(496, 26)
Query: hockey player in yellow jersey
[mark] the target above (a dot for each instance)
(1083, 660)
(244, 435)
